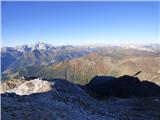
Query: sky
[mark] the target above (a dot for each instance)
(79, 23)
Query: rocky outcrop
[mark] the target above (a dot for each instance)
(10, 84)
(29, 87)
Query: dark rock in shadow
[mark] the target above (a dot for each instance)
(99, 86)
(148, 89)
(123, 87)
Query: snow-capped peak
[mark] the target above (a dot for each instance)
(42, 46)
(37, 46)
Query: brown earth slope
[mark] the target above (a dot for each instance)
(81, 70)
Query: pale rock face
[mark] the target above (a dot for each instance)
(32, 86)
(10, 84)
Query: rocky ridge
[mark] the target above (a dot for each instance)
(68, 101)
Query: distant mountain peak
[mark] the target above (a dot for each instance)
(42, 46)
(36, 46)
(42, 43)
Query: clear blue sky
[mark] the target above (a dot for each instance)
(79, 22)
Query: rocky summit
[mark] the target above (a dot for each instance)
(58, 99)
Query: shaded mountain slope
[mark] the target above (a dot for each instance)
(8, 56)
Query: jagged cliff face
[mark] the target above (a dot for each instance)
(67, 101)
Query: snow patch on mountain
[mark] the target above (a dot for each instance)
(37, 46)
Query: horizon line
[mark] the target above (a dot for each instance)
(83, 44)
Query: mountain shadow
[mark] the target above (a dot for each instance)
(123, 87)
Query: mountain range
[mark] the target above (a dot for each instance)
(14, 58)
(81, 63)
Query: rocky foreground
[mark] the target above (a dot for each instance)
(59, 99)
